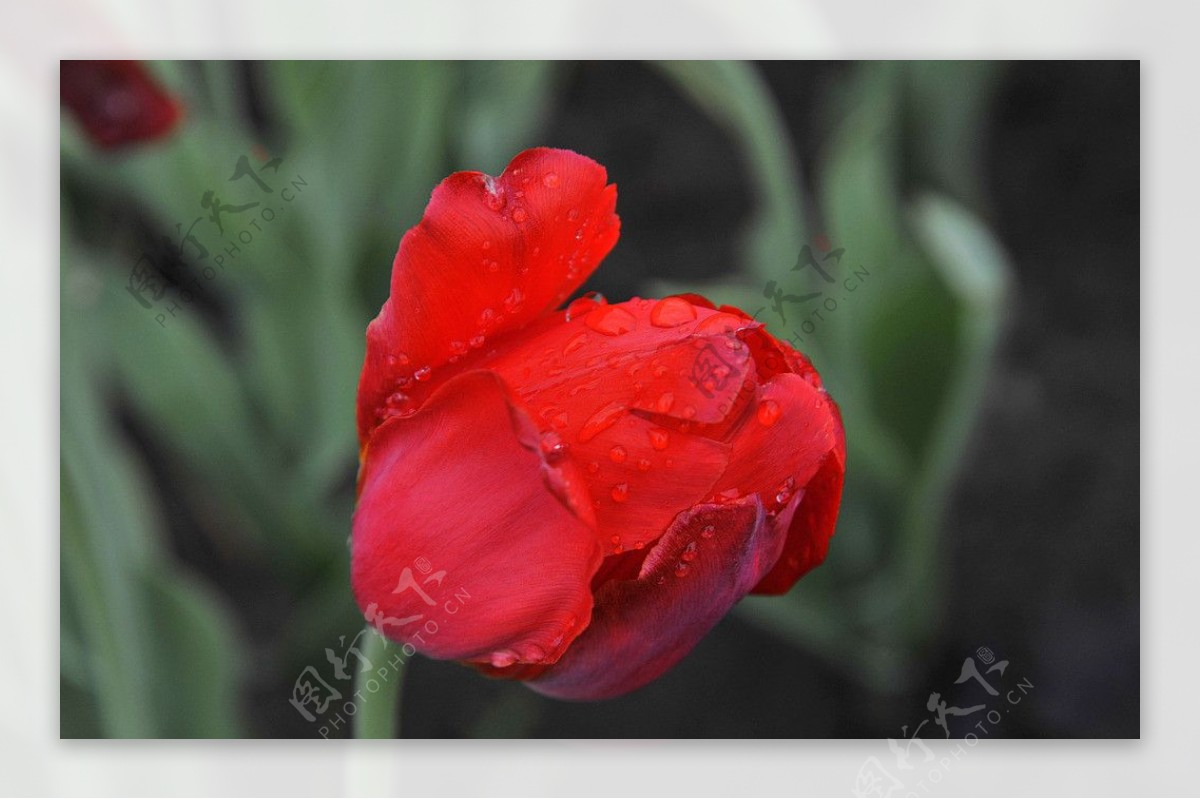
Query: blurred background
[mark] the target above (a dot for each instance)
(955, 245)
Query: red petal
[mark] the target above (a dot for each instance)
(489, 256)
(811, 527)
(459, 488)
(703, 565)
(117, 102)
(628, 389)
(791, 442)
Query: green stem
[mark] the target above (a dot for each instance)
(378, 713)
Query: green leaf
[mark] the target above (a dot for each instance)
(737, 98)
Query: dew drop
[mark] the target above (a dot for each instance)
(575, 343)
(487, 245)
(493, 266)
(553, 447)
(620, 492)
(665, 402)
(611, 320)
(514, 300)
(643, 465)
(768, 413)
(494, 197)
(617, 454)
(721, 322)
(504, 659)
(672, 312)
(573, 214)
(585, 304)
(593, 467)
(681, 569)
(689, 552)
(423, 374)
(601, 420)
(550, 180)
(689, 412)
(708, 532)
(659, 438)
(476, 342)
(519, 215)
(616, 539)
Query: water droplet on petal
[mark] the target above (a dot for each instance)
(768, 413)
(423, 374)
(617, 454)
(616, 539)
(514, 300)
(611, 320)
(601, 420)
(659, 438)
(476, 342)
(593, 467)
(504, 659)
(689, 552)
(708, 532)
(620, 492)
(643, 465)
(519, 215)
(487, 245)
(681, 569)
(573, 214)
(550, 180)
(721, 322)
(494, 196)
(575, 343)
(493, 266)
(665, 402)
(585, 304)
(553, 447)
(672, 312)
(689, 412)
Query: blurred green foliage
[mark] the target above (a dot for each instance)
(250, 396)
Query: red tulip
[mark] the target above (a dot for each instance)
(117, 102)
(604, 481)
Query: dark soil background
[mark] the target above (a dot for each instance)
(1043, 534)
